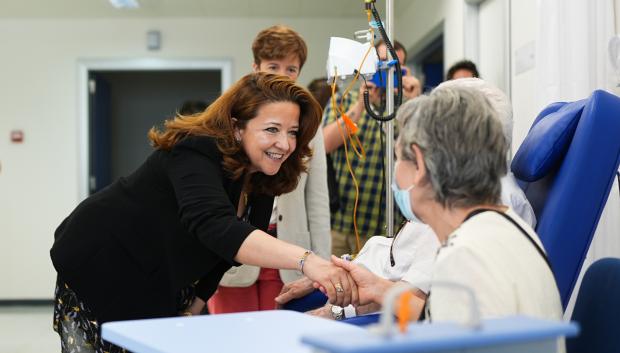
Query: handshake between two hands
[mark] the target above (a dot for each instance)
(343, 282)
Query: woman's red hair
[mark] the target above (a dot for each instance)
(242, 102)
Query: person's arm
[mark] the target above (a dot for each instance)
(204, 207)
(261, 249)
(203, 290)
(206, 212)
(513, 196)
(316, 197)
(354, 109)
(417, 305)
(326, 310)
(371, 287)
(423, 246)
(196, 307)
(303, 286)
(368, 309)
(332, 133)
(293, 290)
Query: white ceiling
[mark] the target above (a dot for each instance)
(189, 8)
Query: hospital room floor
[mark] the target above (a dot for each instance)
(27, 329)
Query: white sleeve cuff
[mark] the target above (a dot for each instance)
(349, 311)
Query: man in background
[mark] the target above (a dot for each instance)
(368, 171)
(462, 69)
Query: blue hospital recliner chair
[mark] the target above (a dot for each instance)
(566, 166)
(597, 309)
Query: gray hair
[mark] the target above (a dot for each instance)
(463, 144)
(496, 96)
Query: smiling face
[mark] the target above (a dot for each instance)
(269, 138)
(289, 66)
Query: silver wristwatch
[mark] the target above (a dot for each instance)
(337, 312)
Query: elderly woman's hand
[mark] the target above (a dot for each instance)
(324, 312)
(294, 290)
(371, 287)
(332, 280)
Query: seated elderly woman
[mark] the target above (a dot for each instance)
(410, 255)
(451, 155)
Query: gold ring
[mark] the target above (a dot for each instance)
(339, 288)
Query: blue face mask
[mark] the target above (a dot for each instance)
(404, 202)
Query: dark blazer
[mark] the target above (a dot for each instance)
(128, 250)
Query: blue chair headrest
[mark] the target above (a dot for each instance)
(547, 141)
(551, 108)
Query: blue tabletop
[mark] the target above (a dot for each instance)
(262, 331)
(423, 337)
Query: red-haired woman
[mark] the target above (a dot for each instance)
(154, 242)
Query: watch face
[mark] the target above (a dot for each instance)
(337, 312)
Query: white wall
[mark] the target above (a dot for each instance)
(492, 43)
(524, 30)
(39, 94)
(617, 5)
(524, 21)
(421, 17)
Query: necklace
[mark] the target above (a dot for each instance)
(244, 193)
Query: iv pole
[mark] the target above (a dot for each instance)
(389, 127)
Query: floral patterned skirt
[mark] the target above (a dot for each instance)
(78, 328)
